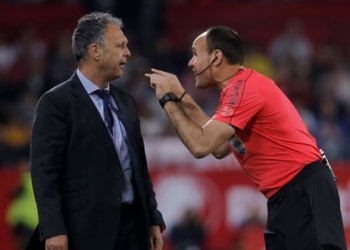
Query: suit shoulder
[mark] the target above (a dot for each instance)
(119, 90)
(61, 90)
(57, 95)
(121, 93)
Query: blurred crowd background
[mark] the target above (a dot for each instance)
(303, 45)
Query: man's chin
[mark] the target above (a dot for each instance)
(199, 85)
(118, 75)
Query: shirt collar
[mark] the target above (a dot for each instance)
(89, 86)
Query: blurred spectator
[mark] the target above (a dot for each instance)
(292, 46)
(24, 109)
(150, 24)
(22, 214)
(331, 81)
(306, 114)
(331, 134)
(29, 44)
(14, 137)
(60, 62)
(8, 54)
(340, 77)
(256, 59)
(163, 57)
(151, 126)
(248, 236)
(26, 66)
(189, 233)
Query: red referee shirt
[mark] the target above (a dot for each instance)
(272, 142)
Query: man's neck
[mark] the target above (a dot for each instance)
(227, 75)
(93, 75)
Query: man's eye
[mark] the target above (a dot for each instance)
(123, 45)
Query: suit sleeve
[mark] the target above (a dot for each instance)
(48, 143)
(154, 214)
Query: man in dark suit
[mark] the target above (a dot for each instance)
(88, 165)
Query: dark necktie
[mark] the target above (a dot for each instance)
(107, 107)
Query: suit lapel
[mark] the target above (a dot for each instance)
(91, 115)
(126, 119)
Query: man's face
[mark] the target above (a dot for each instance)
(200, 61)
(114, 53)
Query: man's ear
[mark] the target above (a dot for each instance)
(95, 51)
(218, 56)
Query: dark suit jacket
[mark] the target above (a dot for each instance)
(76, 174)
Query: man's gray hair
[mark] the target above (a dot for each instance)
(91, 28)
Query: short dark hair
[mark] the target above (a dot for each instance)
(228, 41)
(91, 28)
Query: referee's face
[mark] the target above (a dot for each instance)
(201, 63)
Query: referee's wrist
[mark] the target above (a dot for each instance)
(167, 97)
